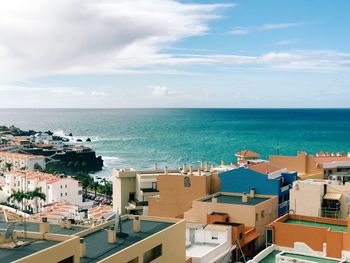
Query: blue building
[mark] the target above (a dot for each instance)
(264, 178)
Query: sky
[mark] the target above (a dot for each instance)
(173, 53)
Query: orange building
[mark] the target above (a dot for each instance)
(330, 236)
(316, 166)
(178, 190)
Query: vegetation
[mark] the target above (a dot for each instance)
(19, 196)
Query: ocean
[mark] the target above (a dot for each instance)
(140, 137)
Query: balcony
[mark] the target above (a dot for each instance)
(137, 203)
(286, 188)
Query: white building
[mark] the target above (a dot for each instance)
(208, 243)
(56, 189)
(328, 198)
(21, 161)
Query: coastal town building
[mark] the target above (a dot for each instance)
(23, 142)
(325, 236)
(265, 178)
(318, 166)
(165, 192)
(316, 197)
(254, 211)
(56, 189)
(135, 239)
(16, 161)
(300, 253)
(208, 243)
(247, 157)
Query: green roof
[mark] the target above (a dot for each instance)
(34, 227)
(236, 200)
(333, 227)
(270, 258)
(97, 247)
(311, 258)
(9, 255)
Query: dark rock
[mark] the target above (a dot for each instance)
(79, 140)
(71, 135)
(88, 140)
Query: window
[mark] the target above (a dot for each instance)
(240, 236)
(152, 254)
(65, 186)
(262, 213)
(61, 194)
(61, 187)
(66, 194)
(135, 260)
(256, 217)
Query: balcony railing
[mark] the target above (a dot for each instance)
(138, 203)
(149, 190)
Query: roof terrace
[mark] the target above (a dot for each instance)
(235, 199)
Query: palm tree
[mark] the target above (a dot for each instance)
(8, 166)
(95, 185)
(17, 196)
(36, 194)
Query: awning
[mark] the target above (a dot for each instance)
(332, 196)
(251, 235)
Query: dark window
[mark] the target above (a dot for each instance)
(152, 254)
(240, 236)
(67, 260)
(135, 260)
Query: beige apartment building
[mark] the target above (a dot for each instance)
(145, 239)
(318, 166)
(166, 193)
(252, 210)
(324, 198)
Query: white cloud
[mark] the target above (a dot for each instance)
(42, 37)
(161, 91)
(244, 30)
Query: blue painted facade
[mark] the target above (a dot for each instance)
(243, 179)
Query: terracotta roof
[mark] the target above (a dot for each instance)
(20, 155)
(247, 153)
(331, 159)
(264, 168)
(19, 139)
(32, 175)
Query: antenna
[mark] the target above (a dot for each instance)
(118, 225)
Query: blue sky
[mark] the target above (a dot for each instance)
(167, 53)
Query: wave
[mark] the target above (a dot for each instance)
(73, 139)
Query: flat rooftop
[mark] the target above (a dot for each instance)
(10, 255)
(97, 247)
(236, 200)
(199, 250)
(333, 227)
(271, 258)
(34, 227)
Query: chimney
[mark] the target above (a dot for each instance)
(68, 224)
(112, 237)
(166, 170)
(155, 166)
(206, 166)
(191, 170)
(252, 193)
(63, 223)
(244, 198)
(184, 168)
(136, 224)
(82, 247)
(214, 200)
(222, 162)
(199, 172)
(212, 166)
(44, 226)
(202, 165)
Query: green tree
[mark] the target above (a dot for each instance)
(17, 196)
(36, 194)
(8, 166)
(37, 167)
(84, 178)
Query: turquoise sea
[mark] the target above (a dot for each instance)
(140, 137)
